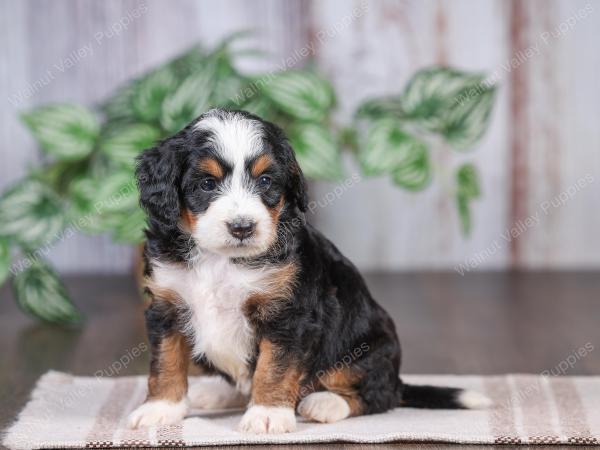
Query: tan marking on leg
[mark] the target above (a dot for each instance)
(212, 167)
(276, 380)
(343, 382)
(168, 371)
(260, 164)
(161, 293)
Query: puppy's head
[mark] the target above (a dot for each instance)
(226, 180)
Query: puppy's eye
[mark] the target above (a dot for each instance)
(264, 182)
(208, 184)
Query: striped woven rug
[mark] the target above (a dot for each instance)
(71, 412)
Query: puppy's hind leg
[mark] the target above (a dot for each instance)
(324, 407)
(339, 401)
(215, 393)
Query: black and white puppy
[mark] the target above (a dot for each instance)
(242, 286)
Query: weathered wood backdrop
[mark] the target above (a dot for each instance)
(544, 141)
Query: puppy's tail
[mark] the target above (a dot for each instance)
(435, 397)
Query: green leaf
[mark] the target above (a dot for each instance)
(130, 228)
(317, 151)
(119, 108)
(464, 213)
(122, 146)
(151, 92)
(468, 181)
(188, 62)
(65, 131)
(414, 173)
(4, 260)
(467, 189)
(302, 94)
(380, 107)
(191, 98)
(228, 84)
(388, 147)
(260, 106)
(99, 203)
(467, 120)
(31, 213)
(433, 91)
(450, 102)
(40, 292)
(226, 43)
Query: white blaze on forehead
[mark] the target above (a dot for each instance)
(235, 137)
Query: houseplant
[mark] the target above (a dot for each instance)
(86, 182)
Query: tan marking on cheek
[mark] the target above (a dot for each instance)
(278, 288)
(168, 373)
(212, 167)
(188, 220)
(262, 163)
(275, 212)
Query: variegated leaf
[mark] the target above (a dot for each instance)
(380, 107)
(150, 93)
(464, 214)
(386, 147)
(40, 292)
(119, 107)
(432, 91)
(466, 121)
(301, 94)
(124, 145)
(65, 131)
(31, 213)
(317, 151)
(4, 260)
(259, 105)
(100, 203)
(131, 227)
(468, 181)
(468, 189)
(191, 98)
(414, 173)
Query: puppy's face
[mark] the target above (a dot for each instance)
(233, 188)
(236, 177)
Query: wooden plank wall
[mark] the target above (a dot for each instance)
(543, 142)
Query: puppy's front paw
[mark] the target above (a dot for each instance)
(260, 419)
(157, 412)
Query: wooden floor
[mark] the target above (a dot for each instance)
(480, 324)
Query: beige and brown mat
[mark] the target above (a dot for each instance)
(68, 411)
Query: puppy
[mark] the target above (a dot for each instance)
(243, 287)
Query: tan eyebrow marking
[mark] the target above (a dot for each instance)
(262, 163)
(211, 166)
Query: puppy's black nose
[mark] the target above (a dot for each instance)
(241, 228)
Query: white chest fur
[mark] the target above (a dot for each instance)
(214, 290)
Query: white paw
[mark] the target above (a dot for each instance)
(157, 412)
(216, 394)
(260, 419)
(324, 407)
(474, 400)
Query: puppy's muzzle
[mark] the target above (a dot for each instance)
(241, 228)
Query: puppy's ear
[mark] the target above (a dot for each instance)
(158, 173)
(296, 187)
